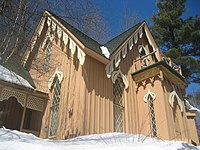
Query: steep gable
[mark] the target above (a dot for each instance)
(115, 43)
(83, 38)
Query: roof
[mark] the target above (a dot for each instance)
(83, 38)
(163, 63)
(90, 43)
(115, 43)
(13, 64)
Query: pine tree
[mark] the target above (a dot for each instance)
(178, 38)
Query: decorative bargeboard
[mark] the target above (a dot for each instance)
(55, 29)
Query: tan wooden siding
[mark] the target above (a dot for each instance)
(184, 128)
(85, 90)
(98, 101)
(132, 103)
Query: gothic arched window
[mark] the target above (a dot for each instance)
(149, 98)
(144, 59)
(56, 90)
(118, 104)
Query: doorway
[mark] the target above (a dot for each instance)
(11, 113)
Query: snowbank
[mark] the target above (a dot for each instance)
(15, 140)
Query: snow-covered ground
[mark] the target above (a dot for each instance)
(15, 140)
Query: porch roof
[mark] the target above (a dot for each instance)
(163, 63)
(13, 64)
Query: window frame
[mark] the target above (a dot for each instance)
(54, 108)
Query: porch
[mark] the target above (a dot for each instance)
(21, 110)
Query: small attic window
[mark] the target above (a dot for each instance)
(142, 53)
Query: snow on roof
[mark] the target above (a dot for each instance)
(190, 107)
(10, 76)
(15, 140)
(105, 51)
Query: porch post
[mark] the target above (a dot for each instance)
(23, 115)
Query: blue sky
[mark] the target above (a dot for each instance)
(112, 10)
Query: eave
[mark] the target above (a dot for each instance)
(155, 69)
(4, 84)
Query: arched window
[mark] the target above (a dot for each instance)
(149, 98)
(56, 89)
(143, 52)
(118, 104)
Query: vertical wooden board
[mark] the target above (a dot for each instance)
(65, 68)
(67, 99)
(88, 95)
(72, 98)
(170, 122)
(132, 96)
(91, 90)
(76, 103)
(95, 96)
(135, 107)
(143, 125)
(128, 94)
(82, 102)
(110, 101)
(101, 91)
(66, 90)
(44, 127)
(97, 101)
(87, 100)
(70, 95)
(105, 105)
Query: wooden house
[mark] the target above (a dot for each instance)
(126, 85)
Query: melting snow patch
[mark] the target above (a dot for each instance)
(15, 140)
(105, 51)
(190, 107)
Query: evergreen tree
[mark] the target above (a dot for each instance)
(178, 38)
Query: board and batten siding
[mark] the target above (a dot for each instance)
(85, 91)
(136, 110)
